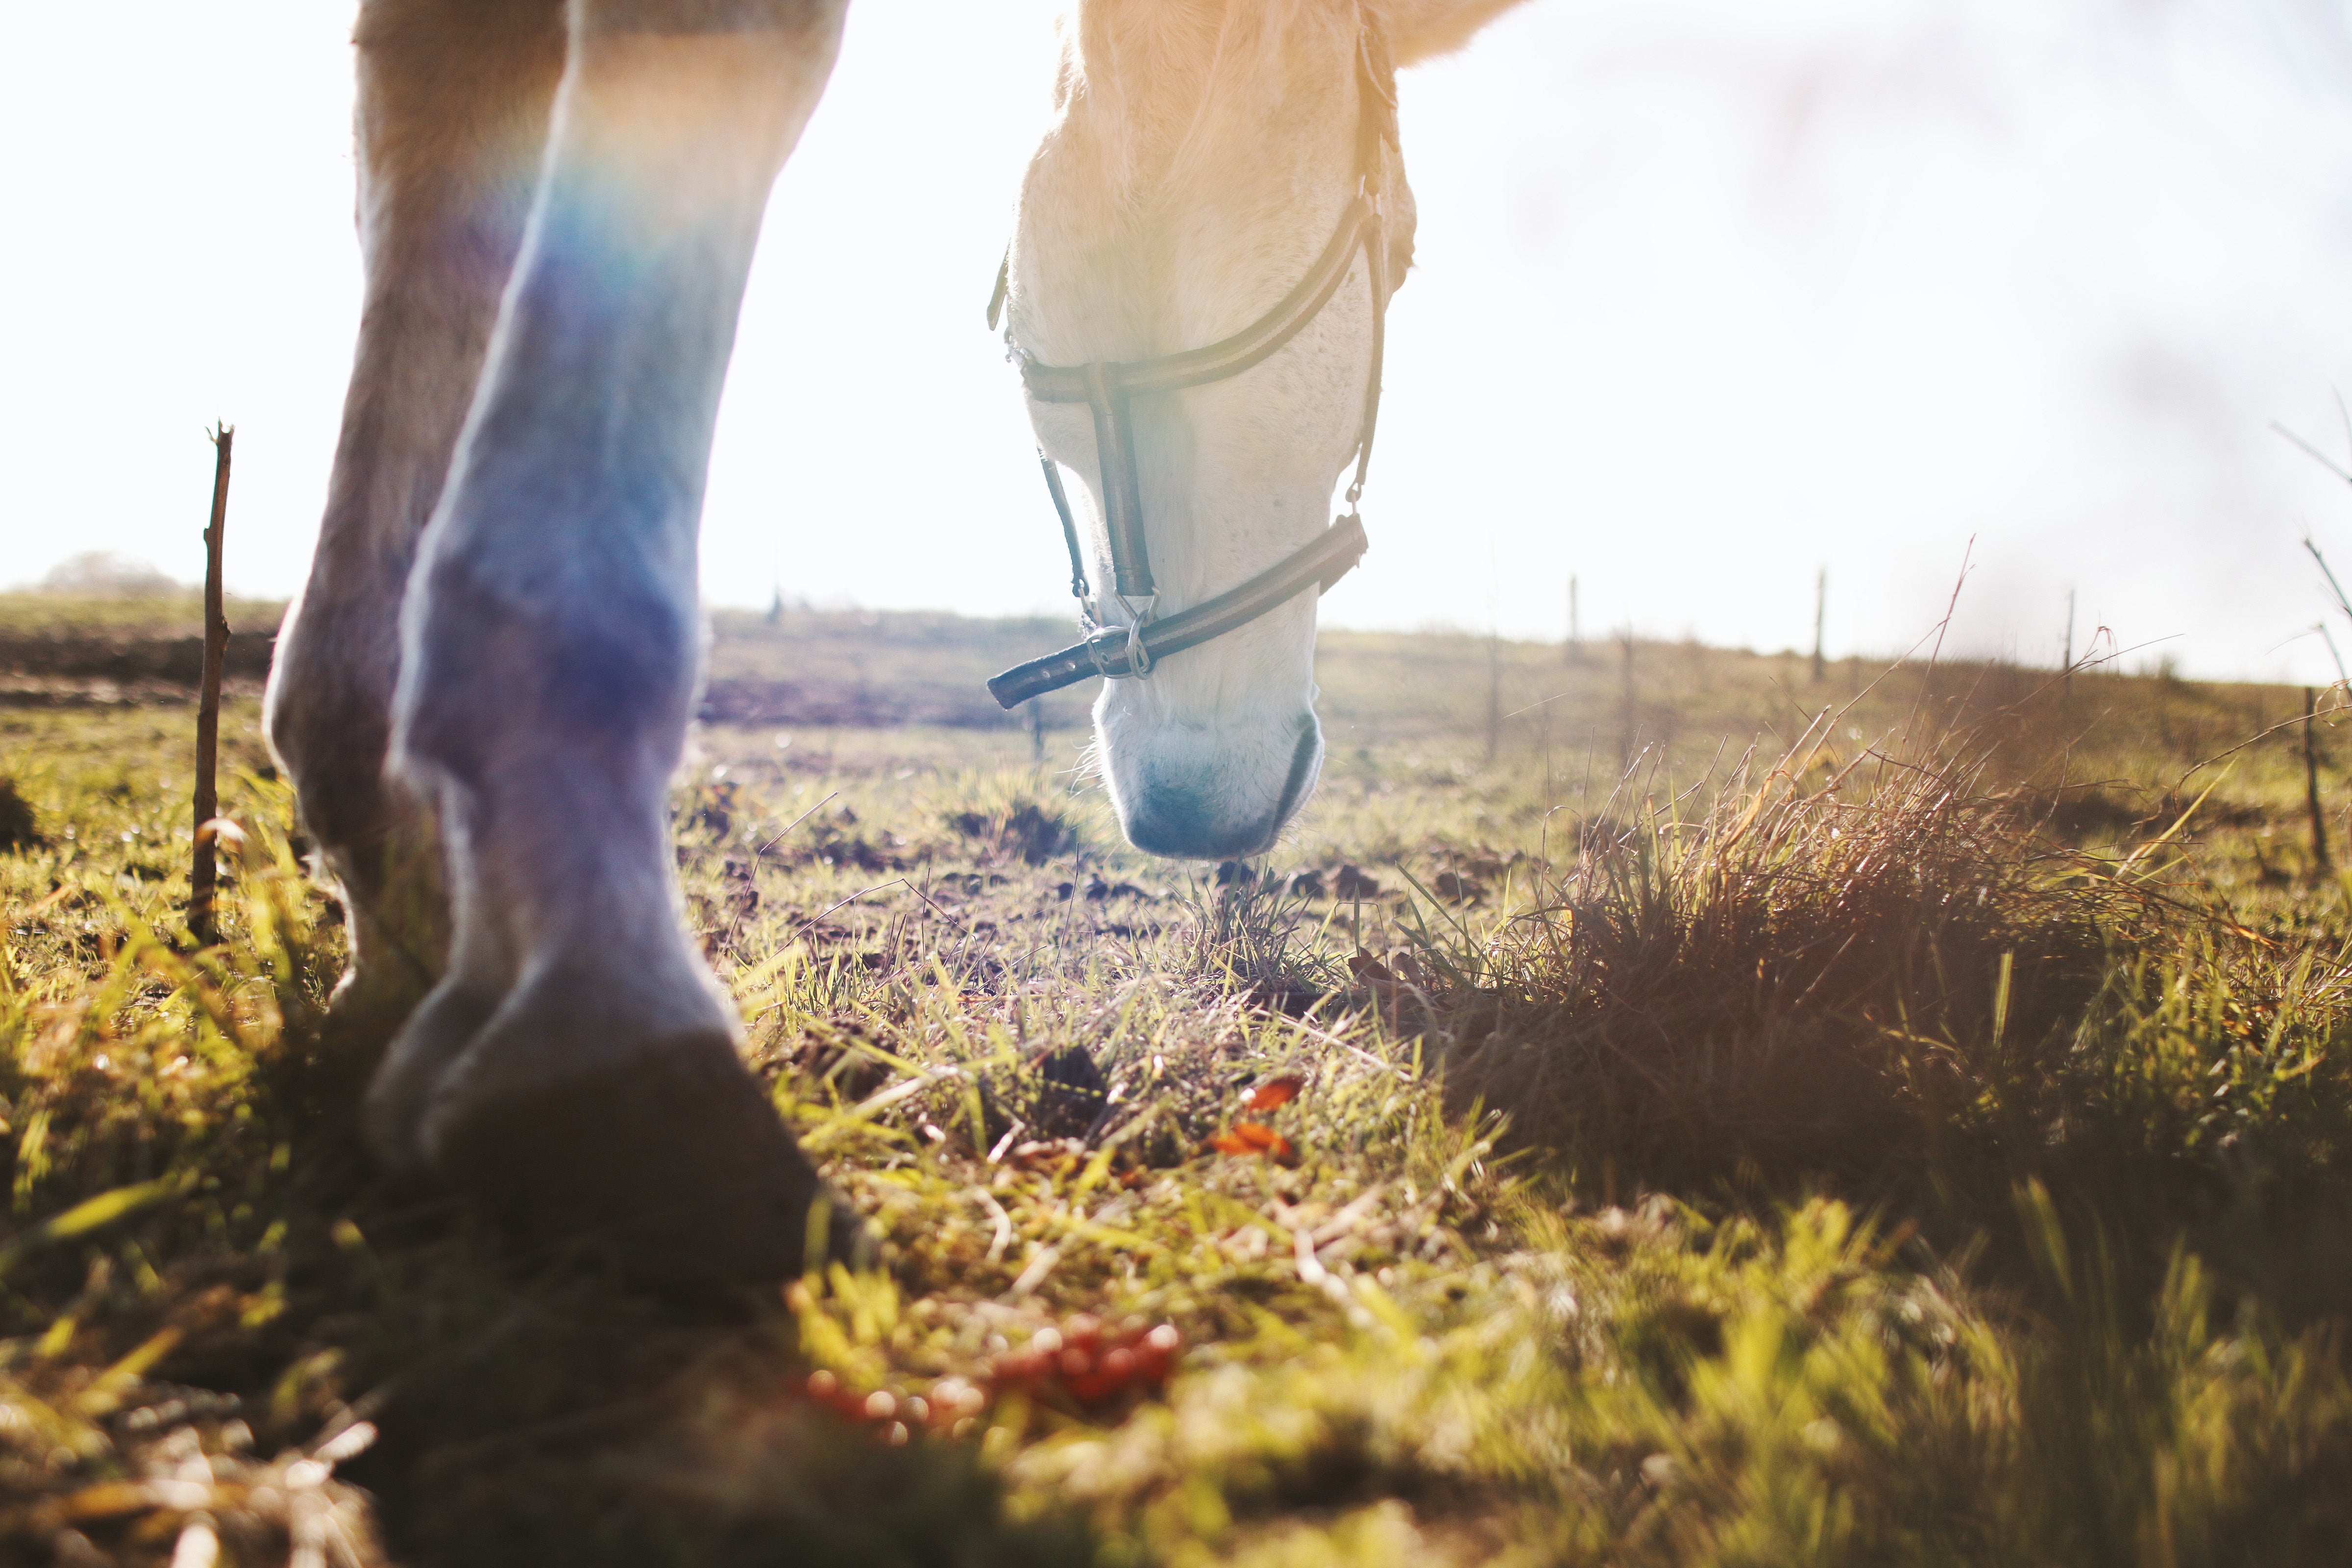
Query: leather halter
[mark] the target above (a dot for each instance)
(1130, 649)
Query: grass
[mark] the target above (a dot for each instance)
(1901, 1150)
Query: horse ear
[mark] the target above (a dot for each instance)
(1418, 29)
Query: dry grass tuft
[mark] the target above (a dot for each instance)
(1795, 984)
(1245, 934)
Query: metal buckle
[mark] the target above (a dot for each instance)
(1137, 658)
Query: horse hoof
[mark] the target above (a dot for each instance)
(671, 1160)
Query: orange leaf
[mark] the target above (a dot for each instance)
(1279, 1089)
(1255, 1138)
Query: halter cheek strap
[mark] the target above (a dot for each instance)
(1132, 647)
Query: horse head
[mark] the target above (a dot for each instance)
(1205, 166)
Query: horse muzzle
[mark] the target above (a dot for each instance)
(1208, 792)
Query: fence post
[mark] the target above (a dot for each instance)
(202, 872)
(1628, 719)
(2069, 666)
(1494, 696)
(1821, 622)
(2311, 781)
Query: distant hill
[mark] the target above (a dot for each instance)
(1525, 703)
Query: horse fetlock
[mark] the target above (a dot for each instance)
(390, 876)
(377, 843)
(408, 926)
(398, 947)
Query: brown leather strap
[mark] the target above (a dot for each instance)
(1078, 589)
(1105, 395)
(1358, 225)
(1112, 651)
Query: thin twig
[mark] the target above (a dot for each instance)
(2334, 587)
(795, 822)
(2324, 461)
(204, 870)
(1951, 607)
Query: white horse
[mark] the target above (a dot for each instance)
(484, 690)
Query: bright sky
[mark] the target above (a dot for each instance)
(1712, 294)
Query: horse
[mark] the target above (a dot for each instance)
(484, 687)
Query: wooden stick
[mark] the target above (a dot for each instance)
(2311, 783)
(1820, 621)
(1494, 696)
(201, 874)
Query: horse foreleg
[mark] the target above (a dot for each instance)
(452, 122)
(576, 1068)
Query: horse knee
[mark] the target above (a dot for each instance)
(606, 670)
(630, 662)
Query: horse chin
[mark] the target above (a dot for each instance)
(1206, 790)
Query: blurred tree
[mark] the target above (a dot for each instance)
(101, 573)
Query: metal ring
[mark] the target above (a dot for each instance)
(1139, 657)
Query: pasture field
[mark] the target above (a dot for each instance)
(1713, 1118)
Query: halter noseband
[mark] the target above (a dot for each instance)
(1131, 648)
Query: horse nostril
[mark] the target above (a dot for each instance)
(1304, 757)
(1169, 821)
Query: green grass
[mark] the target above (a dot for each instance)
(40, 614)
(1938, 1159)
